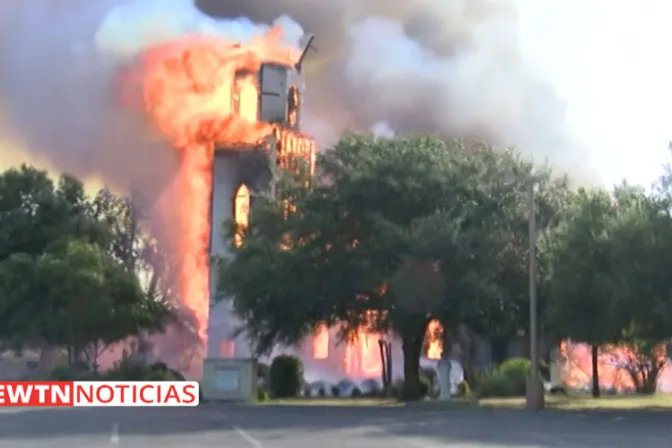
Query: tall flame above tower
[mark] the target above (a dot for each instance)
(216, 101)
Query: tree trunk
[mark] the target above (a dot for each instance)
(386, 364)
(383, 363)
(411, 347)
(595, 352)
(388, 350)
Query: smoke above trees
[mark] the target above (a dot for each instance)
(450, 67)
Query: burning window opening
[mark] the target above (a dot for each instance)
(362, 352)
(321, 343)
(293, 147)
(293, 104)
(248, 100)
(227, 348)
(241, 213)
(434, 340)
(362, 355)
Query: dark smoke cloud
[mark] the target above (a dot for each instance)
(448, 66)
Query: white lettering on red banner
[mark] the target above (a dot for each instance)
(99, 393)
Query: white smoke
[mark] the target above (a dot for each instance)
(382, 129)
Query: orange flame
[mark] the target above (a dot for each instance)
(321, 343)
(227, 348)
(362, 356)
(612, 361)
(189, 88)
(362, 352)
(241, 213)
(433, 340)
(199, 92)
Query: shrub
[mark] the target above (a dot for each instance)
(159, 367)
(286, 376)
(508, 380)
(262, 394)
(335, 391)
(493, 384)
(159, 371)
(373, 393)
(158, 375)
(64, 373)
(463, 389)
(370, 388)
(356, 392)
(516, 371)
(128, 370)
(561, 391)
(322, 392)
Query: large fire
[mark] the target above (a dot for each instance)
(188, 88)
(187, 91)
(576, 367)
(203, 93)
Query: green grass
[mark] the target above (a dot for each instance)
(357, 402)
(658, 402)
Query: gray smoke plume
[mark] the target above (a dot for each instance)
(446, 66)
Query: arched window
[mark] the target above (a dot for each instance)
(293, 103)
(241, 213)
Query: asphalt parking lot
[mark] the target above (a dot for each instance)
(325, 427)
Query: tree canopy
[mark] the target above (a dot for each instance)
(392, 234)
(395, 232)
(70, 275)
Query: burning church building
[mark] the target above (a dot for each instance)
(271, 97)
(233, 111)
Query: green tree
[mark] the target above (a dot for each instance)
(74, 296)
(382, 213)
(61, 255)
(641, 251)
(35, 212)
(580, 276)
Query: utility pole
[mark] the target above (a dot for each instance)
(535, 390)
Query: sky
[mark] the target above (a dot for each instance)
(610, 60)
